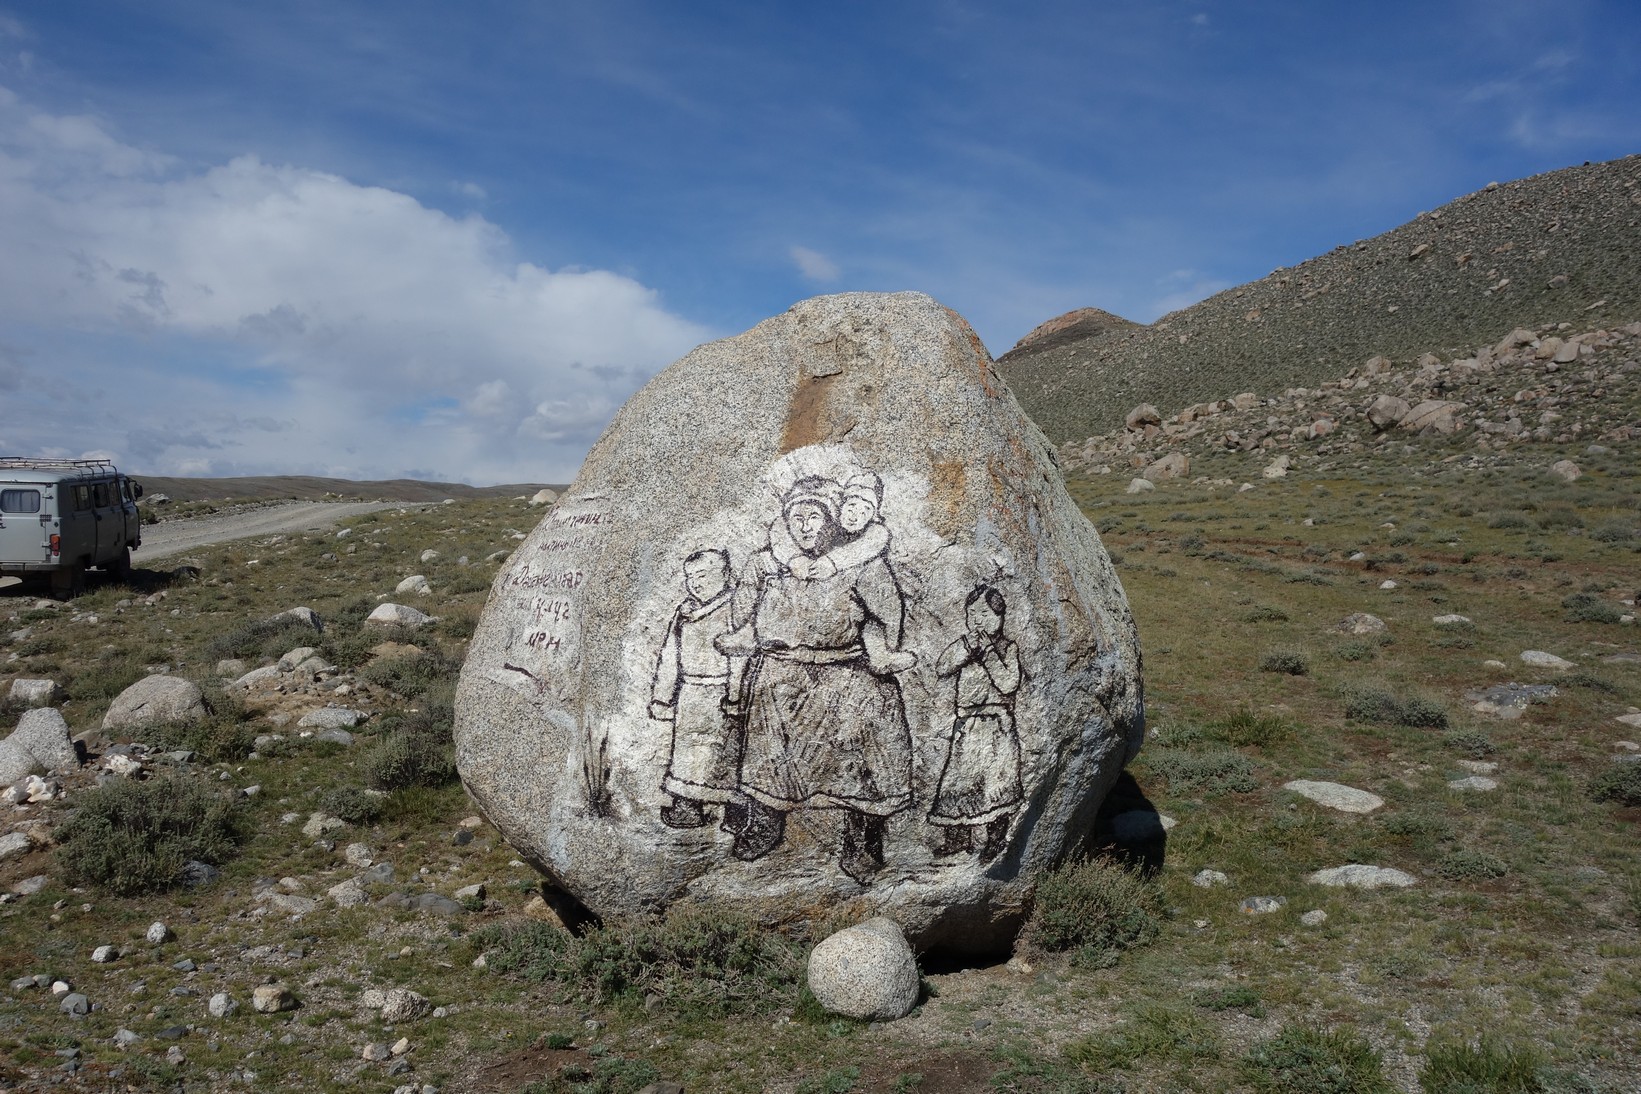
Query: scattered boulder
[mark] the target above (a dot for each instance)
(404, 1005)
(347, 894)
(1140, 486)
(221, 1005)
(156, 701)
(1432, 416)
(1361, 623)
(272, 999)
(1541, 660)
(397, 615)
(320, 822)
(1566, 471)
(860, 448)
(1450, 620)
(544, 496)
(1262, 905)
(35, 693)
(867, 972)
(1508, 701)
(1314, 918)
(14, 844)
(415, 585)
(1175, 465)
(1278, 468)
(1207, 879)
(1386, 411)
(1357, 876)
(305, 616)
(158, 934)
(43, 736)
(1346, 799)
(1476, 783)
(1141, 416)
(331, 718)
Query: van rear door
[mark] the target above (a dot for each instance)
(24, 524)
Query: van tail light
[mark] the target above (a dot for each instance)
(56, 545)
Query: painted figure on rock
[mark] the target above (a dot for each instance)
(693, 689)
(824, 725)
(979, 786)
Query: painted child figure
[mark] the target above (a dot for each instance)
(979, 786)
(693, 682)
(868, 539)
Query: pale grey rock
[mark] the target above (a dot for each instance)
(470, 892)
(1508, 702)
(156, 701)
(1361, 623)
(375, 1052)
(267, 674)
(1355, 875)
(415, 585)
(1314, 918)
(13, 844)
(1140, 486)
(1387, 584)
(294, 657)
(117, 763)
(272, 998)
(306, 616)
(290, 903)
(320, 822)
(358, 854)
(1207, 879)
(1432, 416)
(75, 1004)
(102, 955)
(158, 934)
(35, 693)
(1474, 783)
(1386, 411)
(347, 894)
(404, 1005)
(1141, 416)
(16, 762)
(428, 555)
(124, 1038)
(1479, 767)
(1278, 468)
(1631, 720)
(335, 736)
(231, 668)
(1566, 471)
(867, 972)
(331, 718)
(564, 732)
(31, 885)
(1541, 660)
(401, 1046)
(1175, 465)
(221, 1005)
(1262, 905)
(44, 734)
(544, 496)
(397, 615)
(1450, 620)
(1346, 799)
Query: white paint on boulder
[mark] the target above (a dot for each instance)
(867, 972)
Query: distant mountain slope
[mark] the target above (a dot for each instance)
(311, 488)
(1558, 247)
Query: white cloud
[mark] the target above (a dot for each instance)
(384, 334)
(813, 265)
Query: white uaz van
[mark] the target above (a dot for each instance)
(60, 517)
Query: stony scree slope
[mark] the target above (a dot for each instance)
(1559, 247)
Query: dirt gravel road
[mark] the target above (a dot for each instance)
(173, 537)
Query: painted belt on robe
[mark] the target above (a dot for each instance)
(984, 708)
(812, 656)
(690, 679)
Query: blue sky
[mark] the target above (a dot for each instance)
(447, 241)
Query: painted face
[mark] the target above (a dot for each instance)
(705, 578)
(982, 620)
(855, 514)
(806, 521)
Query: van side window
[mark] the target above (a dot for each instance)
(99, 494)
(19, 501)
(82, 497)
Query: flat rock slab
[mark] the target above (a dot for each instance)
(1346, 799)
(1361, 623)
(1474, 783)
(1357, 876)
(817, 625)
(1541, 660)
(1632, 720)
(1509, 701)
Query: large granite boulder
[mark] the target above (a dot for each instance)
(156, 700)
(817, 625)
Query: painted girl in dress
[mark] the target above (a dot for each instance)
(979, 786)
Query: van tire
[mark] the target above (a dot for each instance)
(119, 567)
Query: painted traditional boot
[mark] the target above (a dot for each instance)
(765, 828)
(997, 831)
(684, 813)
(955, 839)
(862, 855)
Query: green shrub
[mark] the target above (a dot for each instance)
(697, 960)
(1489, 1066)
(1311, 1060)
(353, 804)
(225, 734)
(1266, 614)
(263, 639)
(1356, 651)
(414, 676)
(1590, 608)
(1245, 727)
(1093, 910)
(1471, 743)
(135, 837)
(1288, 662)
(1620, 783)
(1614, 530)
(1422, 829)
(1511, 521)
(1376, 705)
(1559, 516)
(1465, 865)
(417, 749)
(1213, 770)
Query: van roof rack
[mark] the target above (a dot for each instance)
(84, 468)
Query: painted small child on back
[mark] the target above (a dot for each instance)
(692, 685)
(866, 538)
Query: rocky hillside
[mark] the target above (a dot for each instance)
(1551, 386)
(1559, 247)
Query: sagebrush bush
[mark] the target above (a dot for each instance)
(1217, 770)
(414, 676)
(1288, 662)
(1465, 865)
(1620, 783)
(416, 749)
(353, 804)
(1614, 530)
(1509, 521)
(1356, 651)
(1591, 608)
(1376, 705)
(697, 960)
(262, 639)
(1470, 742)
(1093, 910)
(1312, 1060)
(1265, 614)
(1488, 1066)
(135, 837)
